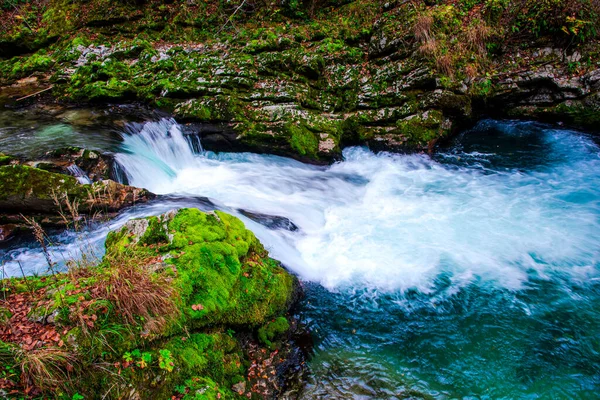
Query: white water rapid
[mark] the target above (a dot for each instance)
(395, 222)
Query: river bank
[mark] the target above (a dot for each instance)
(398, 76)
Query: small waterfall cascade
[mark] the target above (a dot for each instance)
(156, 150)
(79, 174)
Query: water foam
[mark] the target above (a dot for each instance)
(396, 222)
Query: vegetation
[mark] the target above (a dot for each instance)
(462, 35)
(298, 74)
(154, 317)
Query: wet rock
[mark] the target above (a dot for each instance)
(27, 190)
(7, 231)
(95, 165)
(270, 221)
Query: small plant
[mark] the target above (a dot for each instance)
(137, 293)
(145, 360)
(165, 360)
(46, 368)
(128, 357)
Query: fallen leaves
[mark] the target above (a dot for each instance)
(22, 330)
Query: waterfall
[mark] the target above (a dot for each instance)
(397, 222)
(155, 151)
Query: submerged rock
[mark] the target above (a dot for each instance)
(271, 221)
(161, 313)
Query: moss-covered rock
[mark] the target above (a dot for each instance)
(285, 81)
(28, 190)
(221, 267)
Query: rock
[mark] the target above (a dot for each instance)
(27, 190)
(95, 165)
(239, 388)
(270, 221)
(7, 231)
(575, 57)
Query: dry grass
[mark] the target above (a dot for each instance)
(41, 238)
(443, 62)
(46, 368)
(430, 48)
(471, 71)
(135, 291)
(72, 207)
(422, 28)
(477, 35)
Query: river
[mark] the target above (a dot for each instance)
(474, 273)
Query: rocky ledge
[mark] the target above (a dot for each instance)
(186, 305)
(55, 193)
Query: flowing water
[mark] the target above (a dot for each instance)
(475, 274)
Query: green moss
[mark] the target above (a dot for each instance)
(268, 333)
(581, 114)
(422, 129)
(222, 269)
(24, 181)
(216, 355)
(302, 140)
(156, 232)
(225, 269)
(5, 159)
(101, 81)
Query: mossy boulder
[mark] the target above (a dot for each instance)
(221, 267)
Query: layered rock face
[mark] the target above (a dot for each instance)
(182, 305)
(398, 75)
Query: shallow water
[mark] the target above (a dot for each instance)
(30, 134)
(471, 275)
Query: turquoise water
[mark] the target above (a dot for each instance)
(475, 274)
(482, 339)
(31, 134)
